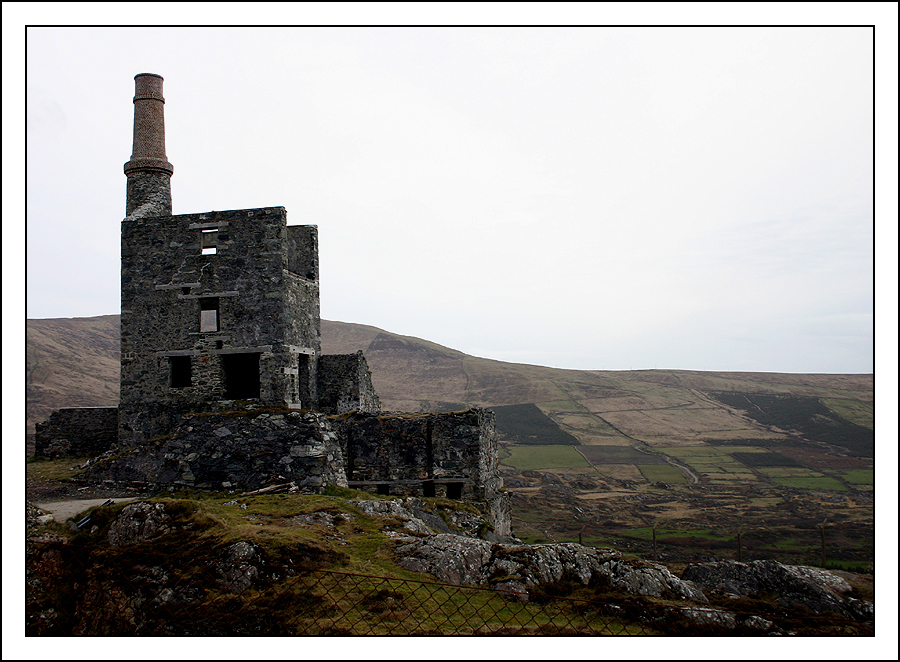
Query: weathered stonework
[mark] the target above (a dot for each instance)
(76, 432)
(210, 312)
(345, 384)
(452, 455)
(238, 450)
(223, 384)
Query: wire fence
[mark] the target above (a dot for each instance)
(68, 592)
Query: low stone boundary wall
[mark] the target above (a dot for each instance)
(77, 432)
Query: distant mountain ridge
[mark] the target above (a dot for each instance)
(75, 362)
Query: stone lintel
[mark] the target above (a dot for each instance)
(175, 286)
(262, 349)
(179, 352)
(209, 295)
(207, 226)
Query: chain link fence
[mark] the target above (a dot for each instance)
(69, 593)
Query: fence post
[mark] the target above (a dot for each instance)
(822, 532)
(740, 554)
(655, 555)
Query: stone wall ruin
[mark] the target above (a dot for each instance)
(222, 382)
(76, 432)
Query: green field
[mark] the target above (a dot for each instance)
(544, 457)
(789, 472)
(810, 482)
(801, 477)
(663, 472)
(859, 476)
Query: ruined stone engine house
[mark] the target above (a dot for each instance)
(220, 314)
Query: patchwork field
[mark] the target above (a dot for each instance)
(544, 457)
(619, 455)
(702, 472)
(662, 473)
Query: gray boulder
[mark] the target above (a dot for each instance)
(138, 522)
(813, 588)
(458, 555)
(460, 560)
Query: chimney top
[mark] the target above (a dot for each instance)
(148, 170)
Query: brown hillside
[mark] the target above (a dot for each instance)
(74, 362)
(70, 362)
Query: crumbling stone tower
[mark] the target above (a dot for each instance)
(219, 306)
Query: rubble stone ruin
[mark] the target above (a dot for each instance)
(220, 318)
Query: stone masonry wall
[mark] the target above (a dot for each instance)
(243, 451)
(414, 454)
(345, 384)
(77, 432)
(230, 267)
(452, 455)
(148, 194)
(303, 251)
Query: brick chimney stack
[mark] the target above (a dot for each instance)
(148, 190)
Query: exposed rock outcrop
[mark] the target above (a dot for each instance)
(460, 560)
(813, 588)
(418, 519)
(138, 522)
(457, 555)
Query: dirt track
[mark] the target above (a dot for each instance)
(63, 510)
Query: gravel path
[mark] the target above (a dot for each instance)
(63, 510)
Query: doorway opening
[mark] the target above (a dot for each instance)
(241, 376)
(454, 490)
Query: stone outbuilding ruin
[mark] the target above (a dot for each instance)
(220, 316)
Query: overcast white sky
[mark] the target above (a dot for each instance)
(697, 198)
(598, 198)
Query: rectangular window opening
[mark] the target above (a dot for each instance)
(208, 241)
(179, 371)
(428, 488)
(454, 490)
(383, 488)
(304, 379)
(209, 314)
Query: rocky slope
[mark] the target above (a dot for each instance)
(235, 567)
